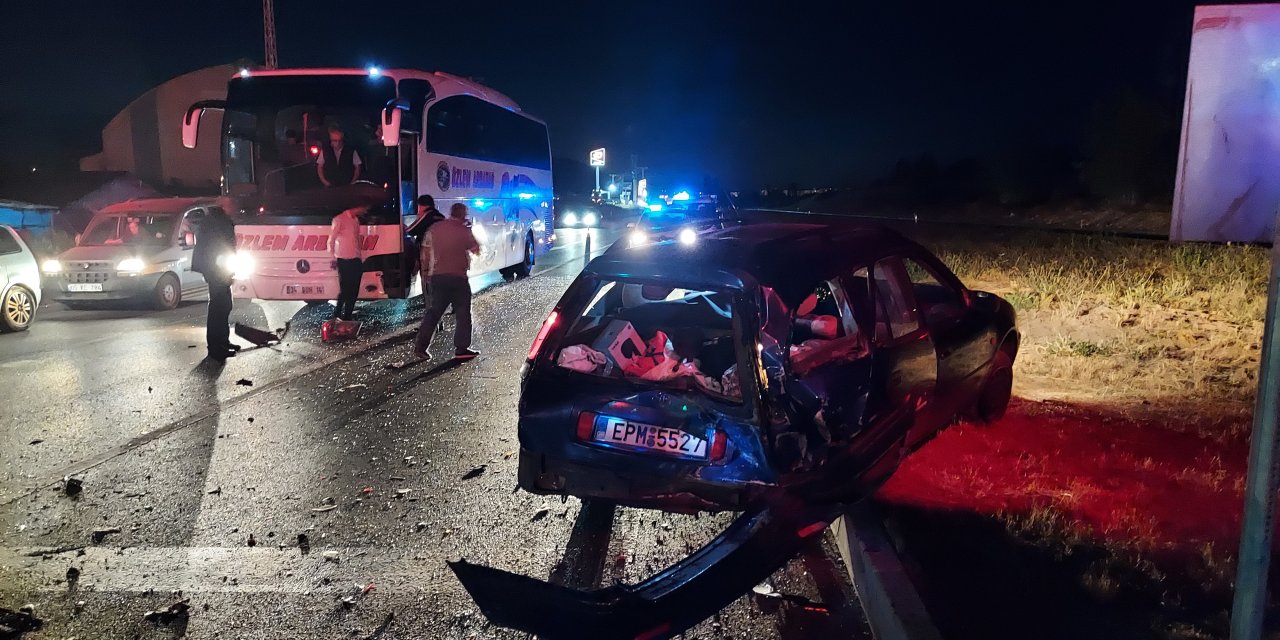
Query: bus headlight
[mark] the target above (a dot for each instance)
(570, 219)
(239, 264)
(589, 219)
(131, 265)
(51, 266)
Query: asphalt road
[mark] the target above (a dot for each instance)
(387, 473)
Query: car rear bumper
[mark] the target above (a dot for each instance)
(552, 475)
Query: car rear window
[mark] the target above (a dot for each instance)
(658, 334)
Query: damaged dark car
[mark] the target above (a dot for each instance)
(802, 358)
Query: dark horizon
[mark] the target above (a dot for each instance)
(828, 94)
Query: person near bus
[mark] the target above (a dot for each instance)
(215, 244)
(447, 248)
(338, 163)
(344, 243)
(428, 215)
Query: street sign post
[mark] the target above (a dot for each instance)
(596, 159)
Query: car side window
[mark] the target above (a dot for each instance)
(824, 330)
(8, 244)
(895, 308)
(940, 304)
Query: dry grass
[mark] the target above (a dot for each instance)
(1106, 318)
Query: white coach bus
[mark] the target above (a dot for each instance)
(404, 133)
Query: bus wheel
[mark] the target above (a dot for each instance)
(522, 270)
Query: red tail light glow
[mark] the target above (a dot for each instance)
(315, 151)
(586, 424)
(542, 334)
(719, 443)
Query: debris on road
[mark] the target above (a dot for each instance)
(325, 508)
(304, 543)
(20, 621)
(353, 387)
(348, 602)
(258, 336)
(400, 493)
(332, 556)
(101, 533)
(421, 526)
(72, 486)
(37, 441)
(175, 612)
(216, 492)
(73, 575)
(475, 473)
(382, 628)
(540, 514)
(244, 382)
(252, 542)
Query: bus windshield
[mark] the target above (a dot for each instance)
(280, 143)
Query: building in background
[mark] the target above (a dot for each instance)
(145, 139)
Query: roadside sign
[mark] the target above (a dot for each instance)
(597, 157)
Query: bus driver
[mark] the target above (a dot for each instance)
(338, 164)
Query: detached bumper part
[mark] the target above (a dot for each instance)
(759, 542)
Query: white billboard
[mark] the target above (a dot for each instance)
(597, 157)
(1228, 185)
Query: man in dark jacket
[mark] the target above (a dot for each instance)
(215, 247)
(338, 163)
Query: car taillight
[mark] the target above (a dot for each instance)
(719, 443)
(542, 334)
(586, 424)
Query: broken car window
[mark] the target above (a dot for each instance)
(660, 334)
(894, 309)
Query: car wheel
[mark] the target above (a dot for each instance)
(993, 400)
(167, 294)
(19, 309)
(522, 270)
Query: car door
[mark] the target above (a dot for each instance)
(11, 257)
(905, 353)
(963, 337)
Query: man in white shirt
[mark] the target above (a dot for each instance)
(344, 243)
(338, 164)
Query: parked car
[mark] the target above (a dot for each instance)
(135, 250)
(699, 375)
(19, 281)
(670, 221)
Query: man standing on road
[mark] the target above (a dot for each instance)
(215, 246)
(428, 215)
(338, 163)
(447, 248)
(344, 242)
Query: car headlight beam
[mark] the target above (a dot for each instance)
(131, 265)
(688, 236)
(637, 238)
(571, 218)
(589, 219)
(51, 266)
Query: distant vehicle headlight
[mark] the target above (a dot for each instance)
(571, 218)
(589, 219)
(637, 238)
(51, 266)
(131, 265)
(688, 236)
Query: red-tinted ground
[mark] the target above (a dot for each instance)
(1074, 521)
(1153, 484)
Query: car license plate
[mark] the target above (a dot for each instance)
(83, 288)
(648, 437)
(304, 289)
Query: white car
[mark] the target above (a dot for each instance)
(19, 282)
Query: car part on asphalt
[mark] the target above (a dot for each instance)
(755, 545)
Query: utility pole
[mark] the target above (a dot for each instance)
(269, 32)
(1254, 558)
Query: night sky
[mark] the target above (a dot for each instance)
(752, 93)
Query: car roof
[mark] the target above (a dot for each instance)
(158, 205)
(790, 258)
